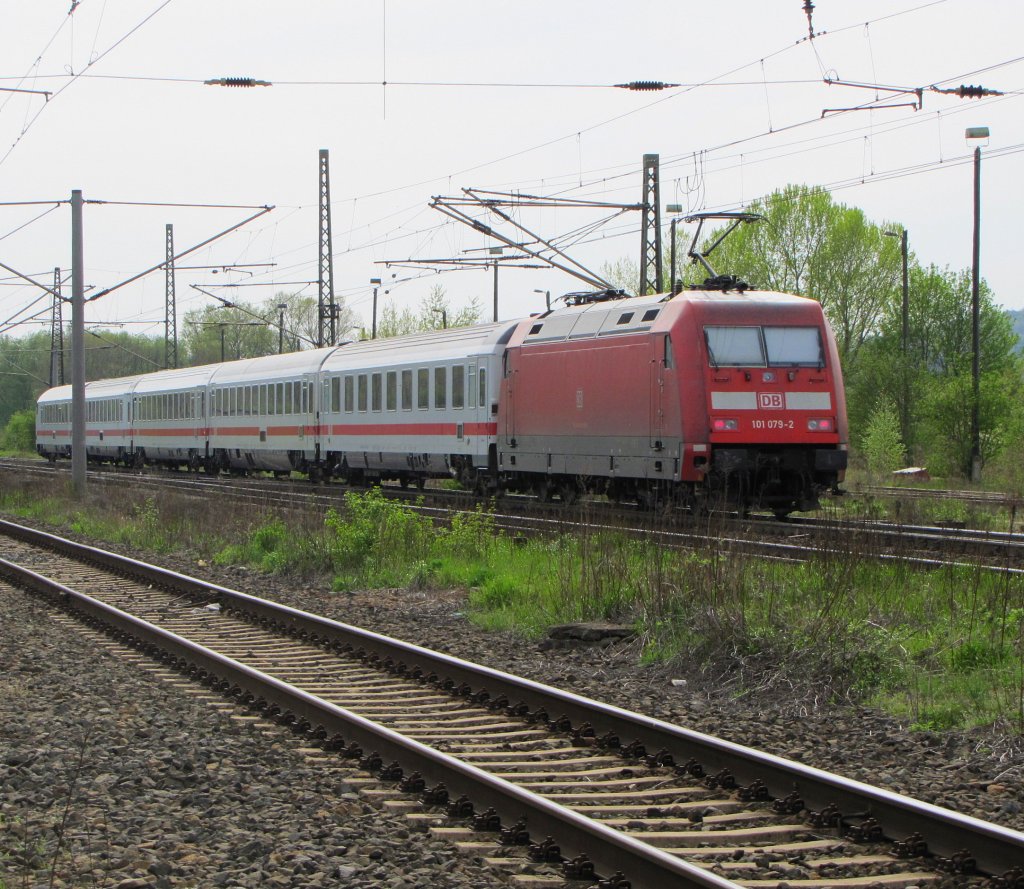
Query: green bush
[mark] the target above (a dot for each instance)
(883, 445)
(19, 434)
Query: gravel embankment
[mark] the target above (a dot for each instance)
(149, 787)
(186, 798)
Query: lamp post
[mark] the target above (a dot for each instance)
(496, 252)
(904, 334)
(280, 327)
(976, 133)
(673, 208)
(547, 298)
(376, 283)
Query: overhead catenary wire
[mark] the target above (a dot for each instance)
(425, 233)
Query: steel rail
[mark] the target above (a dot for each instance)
(610, 850)
(995, 848)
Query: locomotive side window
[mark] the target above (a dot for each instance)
(406, 390)
(440, 388)
(734, 346)
(794, 347)
(423, 388)
(458, 386)
(392, 390)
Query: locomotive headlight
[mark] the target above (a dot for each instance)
(821, 424)
(721, 425)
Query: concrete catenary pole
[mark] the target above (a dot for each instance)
(78, 460)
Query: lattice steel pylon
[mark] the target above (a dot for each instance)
(57, 334)
(170, 304)
(650, 230)
(328, 311)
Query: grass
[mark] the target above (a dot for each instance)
(940, 648)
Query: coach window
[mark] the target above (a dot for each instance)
(375, 392)
(458, 386)
(280, 398)
(406, 390)
(392, 390)
(441, 388)
(362, 393)
(297, 397)
(334, 404)
(483, 387)
(306, 388)
(263, 399)
(349, 395)
(289, 399)
(423, 388)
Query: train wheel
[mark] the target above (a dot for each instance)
(542, 491)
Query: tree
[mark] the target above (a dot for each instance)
(222, 333)
(302, 319)
(434, 313)
(932, 384)
(809, 245)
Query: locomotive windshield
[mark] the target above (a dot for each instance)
(764, 346)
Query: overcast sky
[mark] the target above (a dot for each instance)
(501, 95)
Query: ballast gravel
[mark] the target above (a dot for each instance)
(111, 777)
(146, 786)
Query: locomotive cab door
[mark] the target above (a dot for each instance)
(660, 362)
(508, 400)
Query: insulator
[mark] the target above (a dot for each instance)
(236, 81)
(645, 85)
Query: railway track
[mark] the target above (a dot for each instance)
(603, 791)
(798, 539)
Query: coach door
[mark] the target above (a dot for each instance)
(307, 430)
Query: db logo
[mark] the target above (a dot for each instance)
(772, 401)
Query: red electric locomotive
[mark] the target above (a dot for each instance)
(704, 397)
